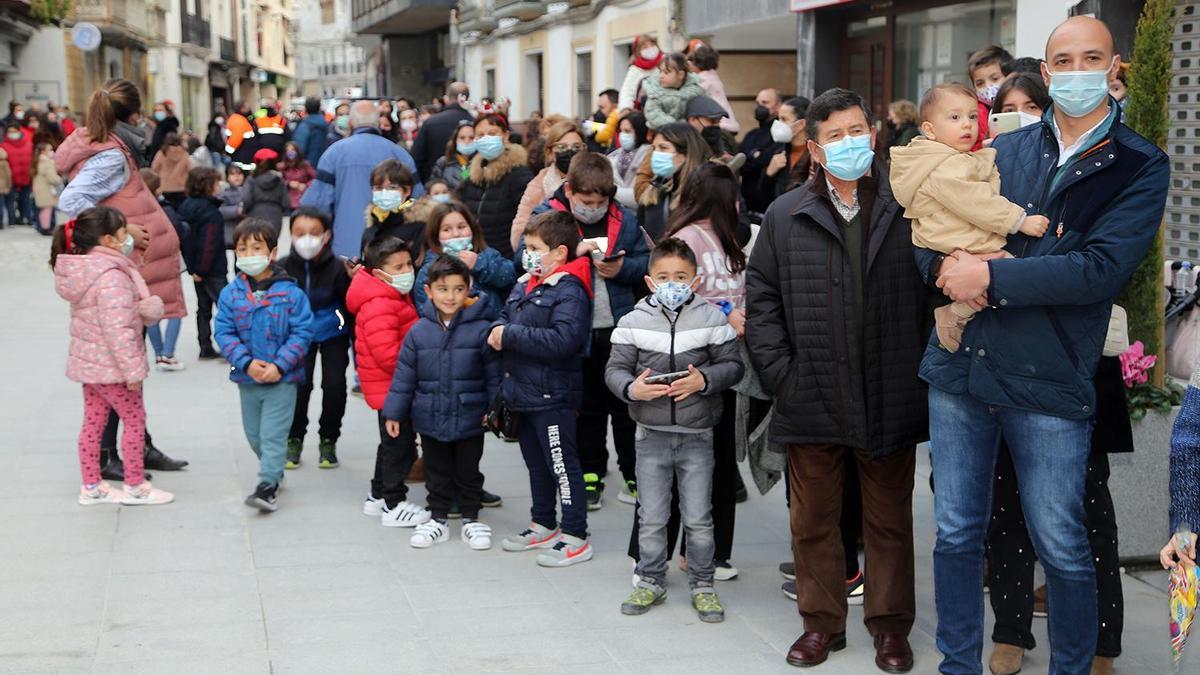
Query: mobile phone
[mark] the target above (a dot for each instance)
(1004, 122)
(351, 261)
(667, 378)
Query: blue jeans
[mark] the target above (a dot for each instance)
(1050, 457)
(663, 458)
(19, 204)
(164, 345)
(267, 417)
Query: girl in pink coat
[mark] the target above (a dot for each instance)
(109, 305)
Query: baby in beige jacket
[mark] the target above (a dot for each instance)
(952, 194)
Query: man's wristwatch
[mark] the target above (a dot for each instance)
(937, 265)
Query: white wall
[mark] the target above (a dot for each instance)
(41, 63)
(558, 65)
(1035, 21)
(508, 75)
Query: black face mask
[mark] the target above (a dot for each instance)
(891, 125)
(762, 115)
(562, 161)
(712, 136)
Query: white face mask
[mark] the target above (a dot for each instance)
(781, 132)
(308, 246)
(649, 53)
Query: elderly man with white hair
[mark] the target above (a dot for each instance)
(343, 184)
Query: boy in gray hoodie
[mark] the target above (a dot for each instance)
(672, 356)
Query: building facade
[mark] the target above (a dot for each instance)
(414, 54)
(330, 60)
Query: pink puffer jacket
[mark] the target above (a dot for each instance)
(110, 304)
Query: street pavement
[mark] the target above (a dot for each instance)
(206, 585)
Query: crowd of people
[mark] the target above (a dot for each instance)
(821, 297)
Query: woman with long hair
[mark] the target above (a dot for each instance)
(103, 170)
(454, 166)
(677, 150)
(496, 181)
(632, 149)
(563, 141)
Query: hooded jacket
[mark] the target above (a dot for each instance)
(952, 197)
(382, 317)
(47, 184)
(547, 323)
(654, 337)
(268, 320)
(204, 247)
(303, 174)
(110, 305)
(493, 274)
(310, 137)
(398, 223)
(446, 376)
(20, 157)
(158, 264)
(265, 196)
(325, 282)
(665, 105)
(493, 191)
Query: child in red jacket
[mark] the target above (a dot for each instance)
(379, 299)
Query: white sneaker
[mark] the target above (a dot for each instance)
(406, 514)
(568, 550)
(429, 533)
(170, 364)
(373, 507)
(477, 535)
(534, 536)
(101, 493)
(146, 495)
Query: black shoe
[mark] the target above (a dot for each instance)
(208, 353)
(263, 498)
(155, 459)
(111, 466)
(490, 500)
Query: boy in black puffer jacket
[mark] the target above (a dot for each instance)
(323, 278)
(542, 335)
(204, 249)
(387, 215)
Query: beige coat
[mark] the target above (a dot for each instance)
(172, 164)
(5, 174)
(952, 197)
(47, 184)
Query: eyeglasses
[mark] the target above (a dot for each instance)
(567, 147)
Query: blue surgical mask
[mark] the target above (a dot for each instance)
(403, 282)
(388, 200)
(160, 115)
(489, 147)
(628, 141)
(532, 262)
(127, 245)
(457, 245)
(1078, 92)
(467, 149)
(850, 157)
(672, 294)
(441, 198)
(662, 163)
(253, 265)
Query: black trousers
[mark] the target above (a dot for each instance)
(393, 460)
(1011, 557)
(452, 470)
(208, 291)
(599, 404)
(724, 490)
(335, 358)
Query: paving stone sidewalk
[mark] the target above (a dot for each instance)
(205, 585)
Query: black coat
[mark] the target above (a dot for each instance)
(435, 133)
(800, 320)
(204, 247)
(758, 148)
(493, 190)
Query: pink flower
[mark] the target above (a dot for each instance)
(1136, 364)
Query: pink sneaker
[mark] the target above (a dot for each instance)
(146, 495)
(101, 493)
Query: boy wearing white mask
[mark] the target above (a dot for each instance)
(264, 326)
(952, 194)
(672, 356)
(325, 281)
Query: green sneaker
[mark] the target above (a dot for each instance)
(628, 493)
(294, 447)
(328, 451)
(595, 491)
(708, 606)
(643, 598)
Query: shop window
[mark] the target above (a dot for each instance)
(932, 45)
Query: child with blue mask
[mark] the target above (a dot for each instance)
(388, 214)
(453, 230)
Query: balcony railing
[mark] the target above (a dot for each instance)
(524, 10)
(472, 18)
(228, 50)
(196, 31)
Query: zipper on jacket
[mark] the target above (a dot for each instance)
(672, 357)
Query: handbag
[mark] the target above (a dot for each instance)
(1117, 339)
(501, 419)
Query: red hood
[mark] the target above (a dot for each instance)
(365, 287)
(580, 268)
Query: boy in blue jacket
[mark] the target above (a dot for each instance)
(263, 327)
(446, 375)
(325, 281)
(542, 334)
(617, 249)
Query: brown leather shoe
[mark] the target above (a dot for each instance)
(812, 649)
(1102, 665)
(893, 653)
(1006, 659)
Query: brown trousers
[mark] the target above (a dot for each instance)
(816, 474)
